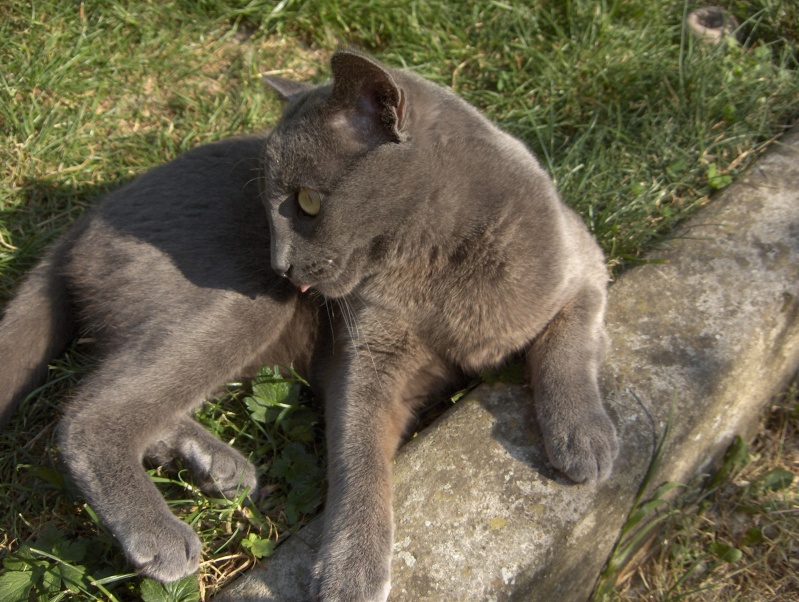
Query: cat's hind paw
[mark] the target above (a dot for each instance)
(228, 474)
(217, 468)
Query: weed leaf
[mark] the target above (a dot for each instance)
(728, 554)
(23, 560)
(777, 479)
(302, 472)
(737, 457)
(717, 180)
(52, 541)
(753, 537)
(258, 547)
(71, 576)
(184, 590)
(270, 390)
(16, 585)
(50, 583)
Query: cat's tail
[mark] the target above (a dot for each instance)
(36, 328)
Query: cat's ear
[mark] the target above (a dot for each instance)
(286, 87)
(362, 84)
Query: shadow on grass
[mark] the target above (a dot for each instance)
(61, 204)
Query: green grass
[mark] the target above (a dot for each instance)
(637, 124)
(631, 119)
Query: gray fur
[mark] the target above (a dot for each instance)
(441, 245)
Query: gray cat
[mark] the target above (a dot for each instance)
(441, 236)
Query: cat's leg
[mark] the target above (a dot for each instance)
(564, 363)
(368, 405)
(141, 394)
(216, 467)
(104, 436)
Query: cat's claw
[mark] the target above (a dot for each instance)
(166, 551)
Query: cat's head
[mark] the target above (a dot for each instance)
(333, 179)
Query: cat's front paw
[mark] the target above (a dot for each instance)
(583, 447)
(167, 550)
(352, 579)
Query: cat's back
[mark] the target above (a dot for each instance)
(187, 236)
(206, 195)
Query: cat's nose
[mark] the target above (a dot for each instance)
(281, 267)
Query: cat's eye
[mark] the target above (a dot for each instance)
(310, 201)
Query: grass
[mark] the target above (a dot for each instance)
(731, 536)
(637, 124)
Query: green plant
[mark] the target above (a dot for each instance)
(184, 590)
(626, 113)
(50, 568)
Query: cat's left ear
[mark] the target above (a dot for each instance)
(286, 87)
(362, 84)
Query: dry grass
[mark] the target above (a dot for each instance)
(740, 541)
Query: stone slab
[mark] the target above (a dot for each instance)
(709, 335)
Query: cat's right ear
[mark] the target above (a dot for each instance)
(368, 92)
(286, 88)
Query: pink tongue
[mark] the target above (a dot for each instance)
(304, 287)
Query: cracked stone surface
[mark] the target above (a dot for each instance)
(708, 335)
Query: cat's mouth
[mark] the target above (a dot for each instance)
(330, 289)
(324, 279)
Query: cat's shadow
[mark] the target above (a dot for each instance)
(516, 428)
(505, 396)
(49, 208)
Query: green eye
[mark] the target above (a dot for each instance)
(310, 201)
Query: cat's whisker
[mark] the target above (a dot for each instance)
(353, 322)
(374, 317)
(346, 317)
(330, 319)
(354, 317)
(256, 178)
(374, 367)
(352, 327)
